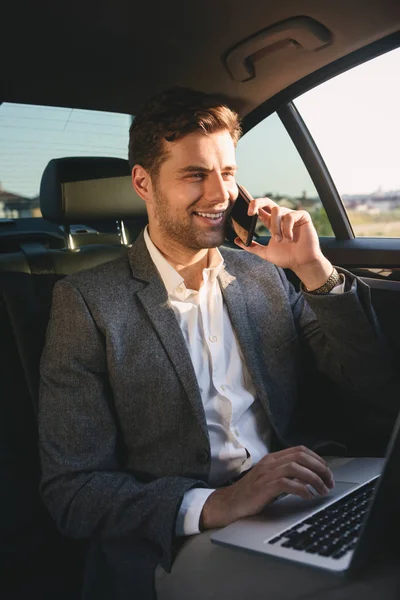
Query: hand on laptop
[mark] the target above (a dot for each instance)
(289, 471)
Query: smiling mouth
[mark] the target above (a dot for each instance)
(213, 216)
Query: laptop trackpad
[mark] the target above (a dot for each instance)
(356, 470)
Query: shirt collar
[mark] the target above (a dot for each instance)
(171, 278)
(215, 266)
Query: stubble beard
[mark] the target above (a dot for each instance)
(186, 233)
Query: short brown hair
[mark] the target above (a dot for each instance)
(172, 115)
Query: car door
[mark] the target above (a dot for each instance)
(333, 150)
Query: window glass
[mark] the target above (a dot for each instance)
(269, 165)
(355, 122)
(30, 136)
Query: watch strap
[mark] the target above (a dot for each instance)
(333, 280)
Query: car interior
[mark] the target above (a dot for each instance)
(112, 56)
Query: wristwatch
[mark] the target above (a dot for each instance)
(333, 280)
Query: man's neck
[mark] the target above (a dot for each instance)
(188, 263)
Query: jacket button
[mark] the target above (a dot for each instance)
(203, 456)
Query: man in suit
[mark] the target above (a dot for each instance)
(170, 379)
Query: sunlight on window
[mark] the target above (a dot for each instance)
(355, 122)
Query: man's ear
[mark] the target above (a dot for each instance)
(142, 184)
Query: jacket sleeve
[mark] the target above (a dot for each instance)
(344, 336)
(83, 484)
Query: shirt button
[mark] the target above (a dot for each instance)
(236, 432)
(223, 387)
(213, 338)
(203, 456)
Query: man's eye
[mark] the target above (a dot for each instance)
(196, 176)
(228, 174)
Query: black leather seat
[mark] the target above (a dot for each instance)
(35, 558)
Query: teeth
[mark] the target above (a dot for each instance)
(210, 215)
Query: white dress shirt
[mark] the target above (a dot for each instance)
(238, 427)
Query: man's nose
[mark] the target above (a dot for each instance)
(217, 189)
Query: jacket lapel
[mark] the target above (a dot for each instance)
(154, 299)
(234, 297)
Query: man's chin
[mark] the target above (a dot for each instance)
(209, 242)
(196, 240)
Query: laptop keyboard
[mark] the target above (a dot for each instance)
(334, 530)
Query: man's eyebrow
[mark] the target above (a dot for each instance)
(198, 168)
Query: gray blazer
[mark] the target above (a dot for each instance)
(122, 427)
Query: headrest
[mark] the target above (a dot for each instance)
(79, 189)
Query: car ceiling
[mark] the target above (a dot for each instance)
(112, 55)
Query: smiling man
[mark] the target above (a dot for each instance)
(189, 203)
(189, 199)
(179, 410)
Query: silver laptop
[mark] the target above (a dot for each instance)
(340, 532)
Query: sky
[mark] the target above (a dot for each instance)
(354, 119)
(30, 136)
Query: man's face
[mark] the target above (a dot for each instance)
(194, 191)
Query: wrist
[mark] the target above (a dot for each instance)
(333, 281)
(215, 511)
(313, 275)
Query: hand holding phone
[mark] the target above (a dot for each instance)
(293, 244)
(243, 224)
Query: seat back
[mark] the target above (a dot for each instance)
(30, 543)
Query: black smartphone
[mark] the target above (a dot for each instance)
(243, 225)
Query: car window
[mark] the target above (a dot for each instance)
(270, 165)
(30, 136)
(354, 119)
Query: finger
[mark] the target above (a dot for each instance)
(265, 217)
(285, 485)
(303, 456)
(275, 225)
(307, 476)
(239, 243)
(261, 203)
(300, 218)
(311, 463)
(287, 223)
(254, 247)
(298, 449)
(304, 449)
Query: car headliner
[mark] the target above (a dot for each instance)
(113, 54)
